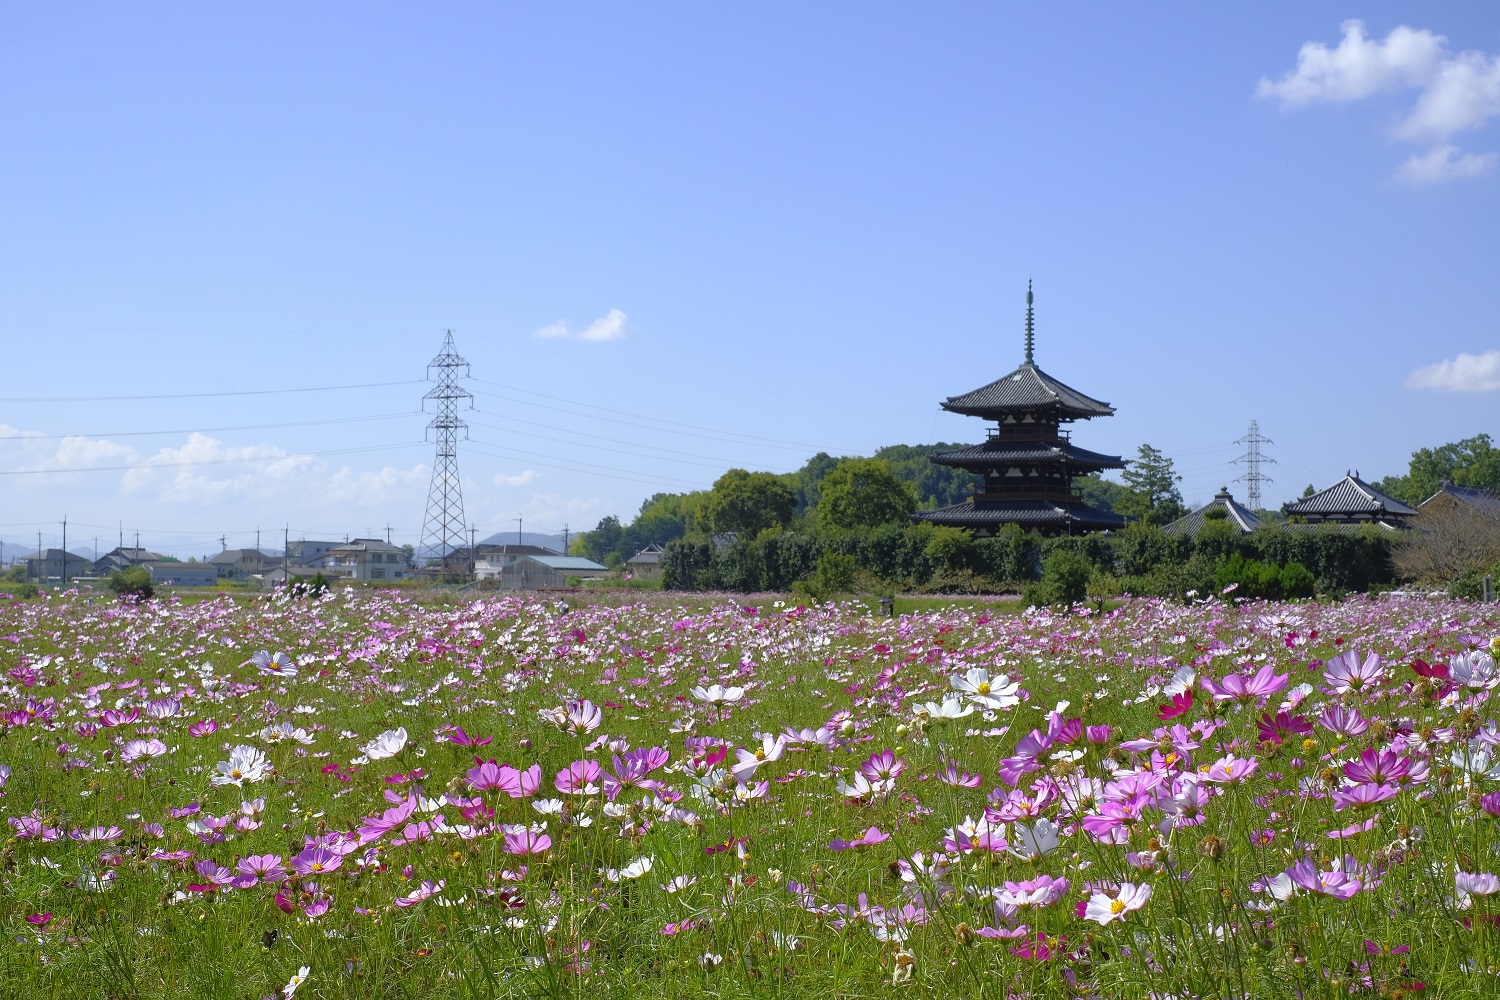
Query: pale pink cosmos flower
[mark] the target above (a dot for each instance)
(1342, 721)
(315, 861)
(1230, 770)
(207, 727)
(97, 833)
(134, 750)
(1241, 687)
(1104, 909)
(423, 892)
(1347, 672)
(1340, 882)
(770, 749)
(279, 665)
(263, 866)
(526, 841)
(869, 838)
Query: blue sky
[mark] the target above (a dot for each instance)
(673, 239)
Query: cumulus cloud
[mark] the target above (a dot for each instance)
(1456, 92)
(1465, 373)
(1445, 163)
(519, 479)
(610, 326)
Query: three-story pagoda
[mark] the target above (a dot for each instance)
(1027, 461)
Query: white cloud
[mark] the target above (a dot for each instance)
(582, 513)
(520, 479)
(1456, 92)
(1465, 373)
(610, 326)
(1358, 67)
(1445, 163)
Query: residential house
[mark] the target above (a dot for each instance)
(240, 564)
(366, 559)
(181, 574)
(123, 557)
(645, 564)
(309, 553)
(50, 565)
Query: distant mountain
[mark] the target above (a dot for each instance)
(527, 538)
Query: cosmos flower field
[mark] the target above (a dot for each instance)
(364, 795)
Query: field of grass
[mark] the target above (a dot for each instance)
(489, 797)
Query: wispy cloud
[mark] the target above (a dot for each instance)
(519, 479)
(1465, 373)
(610, 326)
(1456, 92)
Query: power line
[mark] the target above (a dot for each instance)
(713, 463)
(605, 471)
(206, 430)
(202, 395)
(148, 465)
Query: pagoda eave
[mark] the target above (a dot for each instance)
(1046, 517)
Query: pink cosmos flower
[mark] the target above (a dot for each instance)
(1044, 890)
(1346, 672)
(1363, 796)
(134, 750)
(1103, 909)
(883, 766)
(315, 861)
(1282, 726)
(1025, 759)
(1376, 767)
(463, 739)
(317, 906)
(1230, 770)
(1340, 882)
(39, 919)
(280, 664)
(951, 775)
(579, 778)
(423, 892)
(263, 866)
(1476, 884)
(526, 842)
(205, 728)
(1342, 721)
(1240, 687)
(869, 838)
(115, 717)
(97, 833)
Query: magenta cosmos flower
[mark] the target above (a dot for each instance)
(869, 838)
(1340, 882)
(1342, 721)
(1282, 726)
(526, 842)
(316, 860)
(579, 778)
(1243, 687)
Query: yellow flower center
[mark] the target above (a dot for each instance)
(317, 866)
(236, 773)
(984, 687)
(1309, 744)
(1170, 758)
(1116, 906)
(760, 754)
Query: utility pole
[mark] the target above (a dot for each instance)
(565, 538)
(257, 540)
(65, 553)
(518, 532)
(122, 534)
(223, 543)
(1252, 459)
(388, 533)
(137, 546)
(473, 550)
(286, 555)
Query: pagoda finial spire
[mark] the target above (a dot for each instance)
(1030, 326)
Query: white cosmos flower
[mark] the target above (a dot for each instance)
(951, 707)
(994, 694)
(679, 884)
(387, 744)
(771, 748)
(245, 763)
(296, 981)
(714, 694)
(1030, 841)
(635, 869)
(285, 731)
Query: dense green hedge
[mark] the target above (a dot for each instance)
(1143, 559)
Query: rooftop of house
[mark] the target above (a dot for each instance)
(1349, 497)
(1235, 512)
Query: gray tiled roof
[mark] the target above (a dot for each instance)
(1022, 512)
(999, 451)
(1482, 501)
(1238, 515)
(1027, 388)
(1349, 497)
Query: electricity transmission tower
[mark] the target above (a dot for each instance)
(1252, 460)
(443, 528)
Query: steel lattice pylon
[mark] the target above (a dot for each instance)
(443, 529)
(1252, 459)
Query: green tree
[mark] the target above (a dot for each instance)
(864, 493)
(936, 485)
(1471, 462)
(133, 581)
(1151, 484)
(748, 502)
(1099, 492)
(604, 539)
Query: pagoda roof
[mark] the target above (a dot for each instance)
(1026, 513)
(1349, 497)
(1027, 388)
(1001, 451)
(1237, 514)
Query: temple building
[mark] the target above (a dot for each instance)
(1351, 500)
(1223, 507)
(1027, 461)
